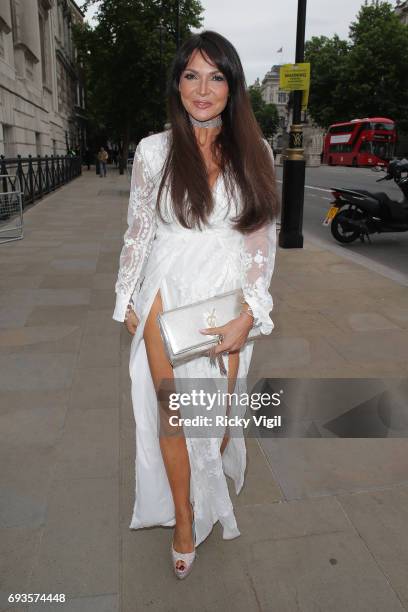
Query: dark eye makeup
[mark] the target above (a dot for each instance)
(190, 75)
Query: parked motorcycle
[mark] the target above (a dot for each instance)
(357, 213)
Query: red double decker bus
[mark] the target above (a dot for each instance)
(360, 142)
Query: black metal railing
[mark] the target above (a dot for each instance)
(37, 176)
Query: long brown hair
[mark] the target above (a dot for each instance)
(244, 160)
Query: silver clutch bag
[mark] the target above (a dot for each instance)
(179, 327)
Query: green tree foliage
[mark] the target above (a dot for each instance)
(378, 62)
(327, 57)
(366, 76)
(125, 65)
(266, 114)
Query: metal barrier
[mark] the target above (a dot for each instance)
(11, 210)
(34, 177)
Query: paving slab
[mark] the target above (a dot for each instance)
(95, 388)
(57, 281)
(99, 457)
(98, 603)
(79, 548)
(25, 371)
(41, 339)
(309, 467)
(63, 315)
(380, 518)
(98, 350)
(18, 548)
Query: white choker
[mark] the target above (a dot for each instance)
(215, 122)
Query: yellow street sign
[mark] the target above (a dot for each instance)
(294, 76)
(305, 98)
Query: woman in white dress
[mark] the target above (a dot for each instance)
(201, 221)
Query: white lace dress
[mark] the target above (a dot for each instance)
(187, 266)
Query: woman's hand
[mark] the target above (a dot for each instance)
(234, 333)
(131, 322)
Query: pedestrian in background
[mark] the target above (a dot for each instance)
(88, 158)
(102, 158)
(115, 154)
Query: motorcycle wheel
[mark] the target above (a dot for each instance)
(339, 224)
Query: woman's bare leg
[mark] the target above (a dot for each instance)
(233, 365)
(173, 447)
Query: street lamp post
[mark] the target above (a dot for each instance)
(290, 235)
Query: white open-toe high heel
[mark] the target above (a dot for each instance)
(187, 559)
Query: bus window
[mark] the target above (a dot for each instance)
(366, 147)
(383, 150)
(340, 148)
(383, 126)
(341, 129)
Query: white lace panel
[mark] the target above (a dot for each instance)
(138, 238)
(257, 265)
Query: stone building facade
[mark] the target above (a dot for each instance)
(42, 100)
(401, 9)
(312, 134)
(272, 94)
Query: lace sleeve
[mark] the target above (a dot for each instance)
(257, 265)
(138, 238)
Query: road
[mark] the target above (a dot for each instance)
(387, 252)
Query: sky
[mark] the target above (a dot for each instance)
(258, 28)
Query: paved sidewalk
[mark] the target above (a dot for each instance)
(323, 521)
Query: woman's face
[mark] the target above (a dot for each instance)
(203, 88)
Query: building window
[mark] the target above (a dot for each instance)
(60, 23)
(282, 97)
(38, 143)
(29, 68)
(2, 47)
(69, 41)
(43, 23)
(66, 34)
(15, 20)
(54, 146)
(61, 87)
(8, 140)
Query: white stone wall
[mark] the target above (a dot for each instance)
(313, 138)
(272, 94)
(34, 118)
